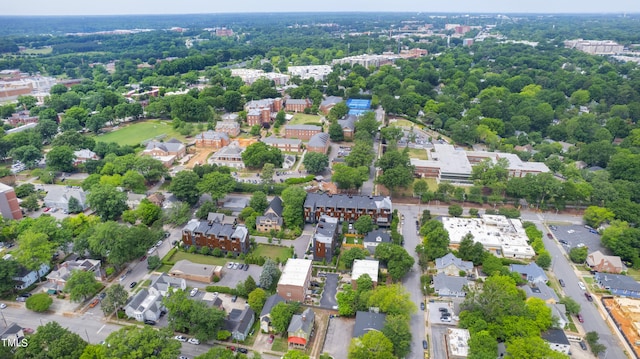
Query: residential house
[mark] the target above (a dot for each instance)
(195, 271)
(348, 124)
(229, 156)
(531, 272)
(24, 277)
(166, 152)
(328, 103)
(134, 199)
(58, 197)
(300, 329)
(449, 286)
(57, 279)
(228, 237)
(212, 300)
(374, 238)
(600, 262)
(559, 312)
(364, 266)
(619, 285)
(272, 218)
(301, 132)
(319, 143)
(325, 239)
(9, 206)
(212, 139)
(348, 208)
(542, 291)
(157, 199)
(368, 321)
(452, 265)
(295, 279)
(12, 335)
(557, 340)
(297, 105)
(147, 303)
(231, 128)
(265, 314)
(239, 322)
(284, 144)
(289, 161)
(84, 155)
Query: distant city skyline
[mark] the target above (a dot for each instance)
(152, 7)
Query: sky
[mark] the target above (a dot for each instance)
(131, 7)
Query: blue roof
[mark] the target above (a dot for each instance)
(357, 103)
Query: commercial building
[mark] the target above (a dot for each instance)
(325, 239)
(446, 163)
(364, 266)
(595, 47)
(348, 208)
(295, 279)
(457, 343)
(316, 72)
(502, 236)
(229, 237)
(9, 206)
(249, 76)
(196, 272)
(302, 132)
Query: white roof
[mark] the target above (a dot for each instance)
(364, 266)
(458, 342)
(295, 272)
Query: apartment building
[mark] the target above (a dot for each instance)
(219, 231)
(297, 105)
(295, 279)
(325, 239)
(319, 143)
(231, 128)
(348, 208)
(302, 132)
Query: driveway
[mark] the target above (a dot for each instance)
(338, 337)
(328, 300)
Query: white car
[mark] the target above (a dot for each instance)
(151, 250)
(159, 244)
(193, 341)
(193, 292)
(581, 285)
(235, 265)
(229, 265)
(2, 305)
(180, 338)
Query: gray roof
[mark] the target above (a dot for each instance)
(617, 281)
(555, 336)
(281, 141)
(349, 122)
(60, 194)
(373, 236)
(221, 218)
(331, 100)
(314, 200)
(453, 284)
(319, 140)
(326, 230)
(272, 217)
(239, 319)
(304, 127)
(12, 330)
(531, 271)
(231, 150)
(449, 259)
(540, 290)
(270, 303)
(296, 101)
(172, 145)
(367, 321)
(276, 206)
(260, 103)
(216, 229)
(212, 135)
(302, 321)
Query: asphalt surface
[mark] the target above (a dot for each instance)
(328, 299)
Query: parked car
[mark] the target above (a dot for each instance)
(561, 282)
(94, 303)
(445, 319)
(2, 305)
(27, 330)
(242, 350)
(234, 298)
(193, 292)
(133, 284)
(550, 235)
(143, 258)
(580, 319)
(583, 345)
(581, 285)
(563, 242)
(149, 322)
(241, 266)
(21, 299)
(235, 265)
(25, 295)
(232, 348)
(421, 305)
(425, 345)
(443, 310)
(229, 265)
(589, 297)
(270, 340)
(159, 244)
(151, 250)
(122, 277)
(193, 341)
(180, 338)
(246, 267)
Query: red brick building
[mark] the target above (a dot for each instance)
(319, 143)
(348, 208)
(297, 105)
(212, 139)
(303, 132)
(219, 231)
(9, 206)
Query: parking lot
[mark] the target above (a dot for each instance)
(576, 235)
(231, 277)
(435, 313)
(338, 337)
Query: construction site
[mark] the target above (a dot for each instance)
(626, 314)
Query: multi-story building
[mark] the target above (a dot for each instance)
(295, 279)
(348, 124)
(9, 206)
(230, 156)
(325, 239)
(348, 208)
(260, 112)
(327, 104)
(595, 47)
(297, 105)
(21, 118)
(212, 139)
(231, 128)
(302, 132)
(319, 143)
(217, 232)
(84, 155)
(316, 72)
(284, 144)
(272, 218)
(166, 152)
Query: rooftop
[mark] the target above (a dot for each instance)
(295, 272)
(319, 140)
(304, 127)
(458, 342)
(365, 266)
(556, 336)
(367, 321)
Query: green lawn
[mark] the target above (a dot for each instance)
(199, 258)
(138, 132)
(279, 344)
(273, 252)
(633, 273)
(420, 154)
(304, 119)
(403, 123)
(40, 51)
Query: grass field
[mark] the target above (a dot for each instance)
(303, 119)
(273, 252)
(420, 154)
(40, 51)
(140, 131)
(403, 123)
(199, 258)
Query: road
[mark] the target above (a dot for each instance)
(412, 281)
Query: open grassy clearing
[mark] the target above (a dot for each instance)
(403, 123)
(138, 132)
(273, 252)
(420, 154)
(199, 258)
(304, 119)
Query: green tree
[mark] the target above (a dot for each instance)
(259, 202)
(348, 177)
(391, 134)
(8, 270)
(397, 330)
(217, 353)
(266, 175)
(185, 187)
(134, 342)
(455, 210)
(259, 153)
(31, 203)
(315, 162)
(61, 159)
(81, 284)
(153, 262)
(107, 201)
(24, 190)
(436, 240)
(52, 341)
(194, 317)
(397, 259)
(338, 111)
(217, 184)
(134, 181)
(392, 300)
(335, 132)
(578, 254)
(115, 297)
(470, 250)
(293, 213)
(531, 348)
(544, 260)
(269, 275)
(401, 176)
(361, 155)
(347, 257)
(47, 129)
(572, 306)
(364, 224)
(482, 345)
(368, 123)
(281, 315)
(420, 187)
(148, 212)
(34, 250)
(256, 299)
(295, 354)
(595, 216)
(74, 205)
(372, 345)
(596, 348)
(39, 302)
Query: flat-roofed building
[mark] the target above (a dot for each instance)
(295, 279)
(364, 266)
(316, 72)
(457, 343)
(502, 236)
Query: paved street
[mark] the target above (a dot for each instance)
(328, 300)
